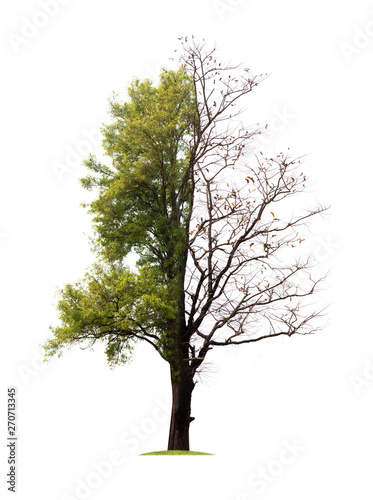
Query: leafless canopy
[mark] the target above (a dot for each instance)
(243, 284)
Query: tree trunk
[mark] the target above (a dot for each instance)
(182, 387)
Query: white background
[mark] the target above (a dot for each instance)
(315, 390)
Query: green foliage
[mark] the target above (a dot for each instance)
(147, 144)
(114, 305)
(143, 199)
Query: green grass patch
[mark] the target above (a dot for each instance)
(175, 452)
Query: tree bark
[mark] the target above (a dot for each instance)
(182, 387)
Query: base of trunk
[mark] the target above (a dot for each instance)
(180, 415)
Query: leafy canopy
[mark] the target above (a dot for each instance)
(147, 143)
(114, 305)
(140, 206)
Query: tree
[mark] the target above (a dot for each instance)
(187, 192)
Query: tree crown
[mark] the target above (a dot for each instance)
(185, 191)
